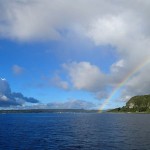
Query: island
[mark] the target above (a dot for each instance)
(137, 104)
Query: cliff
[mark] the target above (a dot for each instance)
(136, 104)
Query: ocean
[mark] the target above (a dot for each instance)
(74, 131)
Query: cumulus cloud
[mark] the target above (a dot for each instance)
(17, 70)
(71, 104)
(88, 77)
(8, 98)
(85, 76)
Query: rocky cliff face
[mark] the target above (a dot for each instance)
(136, 104)
(139, 103)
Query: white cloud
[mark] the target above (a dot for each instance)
(107, 30)
(138, 84)
(117, 66)
(31, 20)
(36, 19)
(4, 98)
(104, 21)
(85, 76)
(17, 70)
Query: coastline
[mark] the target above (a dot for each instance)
(47, 111)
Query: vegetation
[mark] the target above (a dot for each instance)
(136, 104)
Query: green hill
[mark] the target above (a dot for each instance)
(136, 104)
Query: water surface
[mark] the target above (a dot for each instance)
(73, 131)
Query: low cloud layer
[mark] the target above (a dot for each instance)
(71, 104)
(8, 98)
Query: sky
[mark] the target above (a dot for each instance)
(73, 54)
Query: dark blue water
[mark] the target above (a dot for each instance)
(74, 131)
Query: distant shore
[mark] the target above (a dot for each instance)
(66, 111)
(49, 111)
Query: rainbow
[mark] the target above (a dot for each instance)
(123, 82)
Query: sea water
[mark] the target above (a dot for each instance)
(74, 131)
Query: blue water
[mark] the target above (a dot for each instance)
(74, 131)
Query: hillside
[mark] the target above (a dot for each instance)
(136, 104)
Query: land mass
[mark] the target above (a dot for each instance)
(49, 111)
(137, 104)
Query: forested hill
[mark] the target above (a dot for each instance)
(136, 104)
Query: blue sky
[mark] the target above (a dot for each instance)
(79, 51)
(41, 61)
